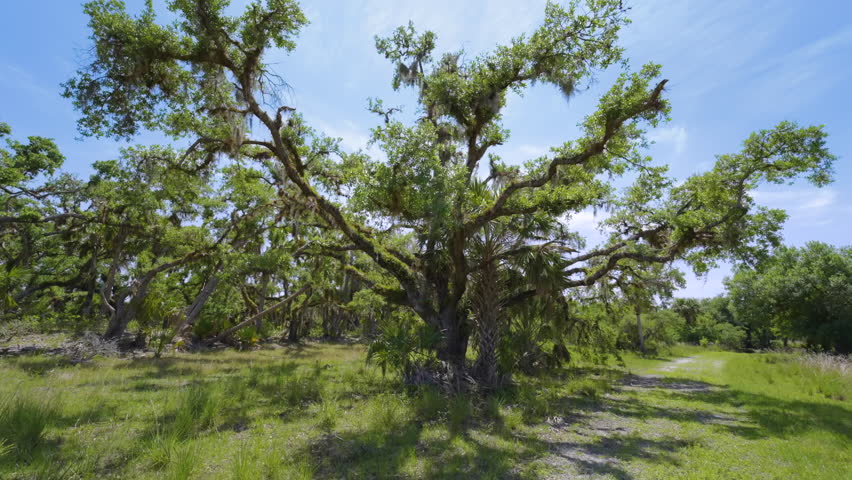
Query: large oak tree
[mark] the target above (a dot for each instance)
(203, 79)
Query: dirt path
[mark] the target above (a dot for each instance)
(646, 419)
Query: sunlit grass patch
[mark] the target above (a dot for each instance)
(316, 411)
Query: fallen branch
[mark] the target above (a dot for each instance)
(253, 319)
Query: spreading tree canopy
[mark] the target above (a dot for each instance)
(419, 213)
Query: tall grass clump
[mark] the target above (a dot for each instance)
(300, 390)
(23, 421)
(827, 363)
(818, 375)
(831, 375)
(386, 412)
(459, 411)
(245, 464)
(5, 448)
(199, 407)
(184, 463)
(328, 414)
(429, 404)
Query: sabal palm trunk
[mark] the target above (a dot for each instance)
(487, 312)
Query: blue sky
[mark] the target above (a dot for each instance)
(734, 67)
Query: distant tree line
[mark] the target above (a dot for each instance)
(799, 296)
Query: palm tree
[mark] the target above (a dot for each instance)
(514, 263)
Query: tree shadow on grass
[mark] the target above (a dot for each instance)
(613, 447)
(39, 365)
(389, 452)
(776, 417)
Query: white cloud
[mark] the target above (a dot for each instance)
(675, 137)
(706, 286)
(797, 200)
(352, 137)
(586, 223)
(806, 207)
(801, 75)
(472, 25)
(719, 38)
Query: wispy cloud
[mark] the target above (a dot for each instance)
(806, 207)
(352, 137)
(803, 74)
(474, 25)
(586, 223)
(719, 38)
(14, 77)
(674, 137)
(809, 199)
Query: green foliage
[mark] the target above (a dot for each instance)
(248, 337)
(662, 330)
(802, 292)
(23, 162)
(403, 347)
(180, 78)
(169, 73)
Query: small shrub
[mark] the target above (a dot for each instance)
(589, 387)
(248, 337)
(23, 421)
(493, 406)
(159, 339)
(513, 418)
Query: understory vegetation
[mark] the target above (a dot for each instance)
(315, 411)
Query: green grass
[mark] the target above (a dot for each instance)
(733, 415)
(316, 411)
(313, 411)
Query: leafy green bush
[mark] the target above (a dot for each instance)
(248, 337)
(403, 348)
(722, 334)
(661, 329)
(728, 336)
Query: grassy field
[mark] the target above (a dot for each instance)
(316, 411)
